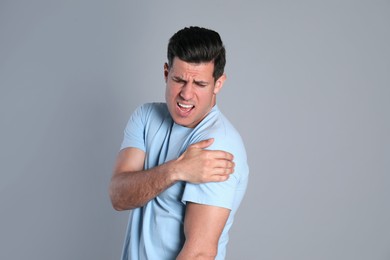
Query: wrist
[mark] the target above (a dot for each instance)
(173, 171)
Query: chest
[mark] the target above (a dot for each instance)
(165, 143)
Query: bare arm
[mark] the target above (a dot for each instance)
(132, 187)
(203, 227)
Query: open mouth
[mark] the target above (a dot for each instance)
(184, 108)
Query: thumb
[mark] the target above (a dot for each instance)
(203, 144)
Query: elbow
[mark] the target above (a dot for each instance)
(122, 199)
(116, 201)
(117, 206)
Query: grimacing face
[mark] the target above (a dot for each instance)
(190, 91)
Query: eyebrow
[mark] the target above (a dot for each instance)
(177, 78)
(198, 82)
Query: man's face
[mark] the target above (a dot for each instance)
(191, 91)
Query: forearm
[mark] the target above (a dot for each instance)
(129, 190)
(131, 187)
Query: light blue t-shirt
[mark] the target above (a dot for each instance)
(155, 231)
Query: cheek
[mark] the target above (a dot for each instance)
(170, 93)
(204, 101)
(208, 95)
(167, 94)
(168, 90)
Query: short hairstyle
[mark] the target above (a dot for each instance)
(196, 45)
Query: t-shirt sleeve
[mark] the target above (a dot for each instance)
(220, 194)
(135, 128)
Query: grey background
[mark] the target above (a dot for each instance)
(308, 88)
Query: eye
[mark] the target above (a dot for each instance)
(178, 80)
(201, 84)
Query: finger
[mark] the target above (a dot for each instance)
(224, 164)
(203, 144)
(223, 171)
(219, 154)
(219, 177)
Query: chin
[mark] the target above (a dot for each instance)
(182, 122)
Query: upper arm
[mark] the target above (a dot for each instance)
(128, 160)
(203, 226)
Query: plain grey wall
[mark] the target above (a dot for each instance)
(308, 87)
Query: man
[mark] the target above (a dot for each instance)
(174, 169)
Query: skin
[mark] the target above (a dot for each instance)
(190, 95)
(203, 226)
(191, 84)
(132, 187)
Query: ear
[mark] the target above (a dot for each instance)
(219, 83)
(166, 71)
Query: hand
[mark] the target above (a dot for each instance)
(197, 165)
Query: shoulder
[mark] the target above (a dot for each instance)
(148, 114)
(227, 194)
(153, 108)
(145, 122)
(226, 137)
(151, 111)
(217, 126)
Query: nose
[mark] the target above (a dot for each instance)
(186, 91)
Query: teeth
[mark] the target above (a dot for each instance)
(185, 106)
